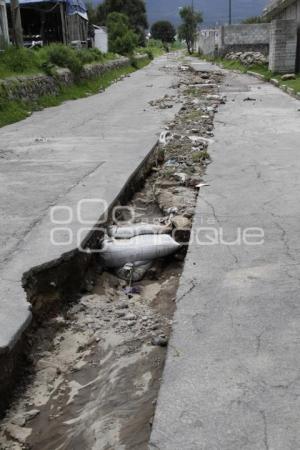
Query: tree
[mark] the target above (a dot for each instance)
(164, 31)
(254, 19)
(135, 10)
(121, 39)
(188, 29)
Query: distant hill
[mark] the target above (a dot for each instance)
(214, 11)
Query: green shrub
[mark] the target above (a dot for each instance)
(64, 56)
(121, 39)
(18, 60)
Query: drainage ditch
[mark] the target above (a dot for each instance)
(95, 364)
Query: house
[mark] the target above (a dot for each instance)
(285, 35)
(4, 35)
(46, 21)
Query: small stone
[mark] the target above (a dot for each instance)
(120, 314)
(288, 76)
(130, 316)
(160, 341)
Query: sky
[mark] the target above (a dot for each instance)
(213, 10)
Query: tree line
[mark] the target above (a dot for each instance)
(126, 21)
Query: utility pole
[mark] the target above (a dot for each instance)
(230, 12)
(16, 23)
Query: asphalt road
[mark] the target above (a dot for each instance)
(83, 149)
(232, 380)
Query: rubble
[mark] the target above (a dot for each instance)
(247, 58)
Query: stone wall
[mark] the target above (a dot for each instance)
(30, 88)
(244, 37)
(283, 46)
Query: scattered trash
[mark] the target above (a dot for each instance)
(165, 137)
(200, 185)
(249, 99)
(131, 290)
(173, 210)
(133, 272)
(181, 177)
(116, 253)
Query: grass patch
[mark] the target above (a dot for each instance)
(202, 155)
(14, 111)
(24, 61)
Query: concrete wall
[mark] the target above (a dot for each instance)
(244, 37)
(206, 42)
(4, 36)
(283, 46)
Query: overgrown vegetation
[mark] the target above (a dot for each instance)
(16, 61)
(13, 111)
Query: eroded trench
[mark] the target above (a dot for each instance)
(95, 364)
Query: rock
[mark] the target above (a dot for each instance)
(288, 76)
(20, 434)
(120, 314)
(181, 222)
(130, 316)
(29, 415)
(160, 341)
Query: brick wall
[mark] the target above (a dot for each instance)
(283, 46)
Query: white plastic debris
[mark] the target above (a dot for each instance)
(165, 137)
(130, 231)
(200, 185)
(115, 253)
(133, 272)
(180, 176)
(201, 139)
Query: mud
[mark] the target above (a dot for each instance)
(94, 366)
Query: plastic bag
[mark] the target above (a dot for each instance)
(134, 271)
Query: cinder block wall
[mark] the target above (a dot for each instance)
(244, 37)
(283, 46)
(206, 44)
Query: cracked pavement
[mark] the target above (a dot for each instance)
(234, 381)
(82, 149)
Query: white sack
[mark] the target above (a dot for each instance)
(130, 231)
(116, 253)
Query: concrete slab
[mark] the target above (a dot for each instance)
(231, 379)
(83, 149)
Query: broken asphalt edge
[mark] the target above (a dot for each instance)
(69, 271)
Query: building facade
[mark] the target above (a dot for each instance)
(4, 36)
(285, 35)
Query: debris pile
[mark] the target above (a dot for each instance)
(247, 58)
